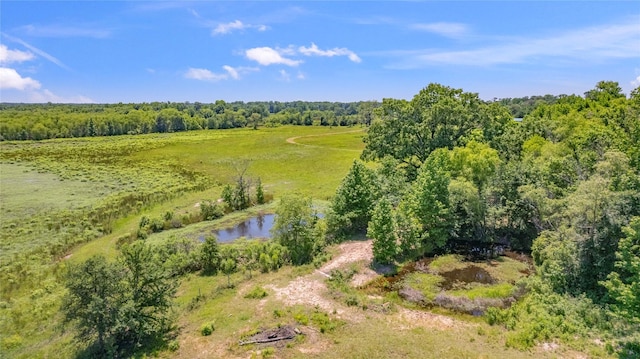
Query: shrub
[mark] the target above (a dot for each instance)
(324, 322)
(257, 293)
(210, 210)
(207, 329)
(301, 318)
(173, 345)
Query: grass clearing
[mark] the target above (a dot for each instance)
(501, 290)
(427, 284)
(446, 263)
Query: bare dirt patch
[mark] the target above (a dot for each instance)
(311, 289)
(409, 318)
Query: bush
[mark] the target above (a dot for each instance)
(257, 293)
(323, 321)
(301, 318)
(207, 329)
(173, 346)
(210, 210)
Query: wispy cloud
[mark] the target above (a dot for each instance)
(207, 75)
(315, 51)
(447, 29)
(204, 75)
(636, 82)
(62, 31)
(36, 50)
(267, 56)
(238, 25)
(48, 96)
(375, 20)
(284, 76)
(11, 79)
(8, 56)
(592, 44)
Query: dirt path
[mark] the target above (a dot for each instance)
(292, 140)
(311, 290)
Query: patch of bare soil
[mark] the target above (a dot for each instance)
(311, 289)
(409, 318)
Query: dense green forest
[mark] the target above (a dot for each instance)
(563, 184)
(444, 176)
(43, 121)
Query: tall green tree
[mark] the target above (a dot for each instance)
(427, 203)
(623, 284)
(294, 228)
(210, 255)
(93, 302)
(123, 305)
(353, 203)
(437, 117)
(382, 230)
(149, 292)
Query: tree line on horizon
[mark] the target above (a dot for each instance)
(20, 121)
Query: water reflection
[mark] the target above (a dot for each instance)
(256, 227)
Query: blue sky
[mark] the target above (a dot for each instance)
(134, 51)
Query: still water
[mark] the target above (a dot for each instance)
(255, 227)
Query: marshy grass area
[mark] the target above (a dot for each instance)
(452, 282)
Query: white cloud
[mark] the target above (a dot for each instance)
(48, 96)
(284, 76)
(591, 44)
(268, 56)
(204, 75)
(194, 13)
(227, 28)
(11, 79)
(636, 82)
(315, 51)
(300, 76)
(447, 29)
(207, 75)
(8, 56)
(232, 72)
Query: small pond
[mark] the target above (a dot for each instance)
(255, 227)
(470, 274)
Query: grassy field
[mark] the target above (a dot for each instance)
(63, 201)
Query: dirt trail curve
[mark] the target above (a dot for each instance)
(311, 290)
(292, 140)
